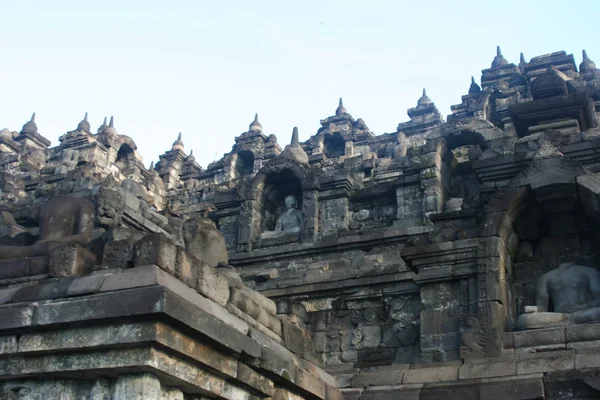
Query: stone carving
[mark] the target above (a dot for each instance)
(62, 220)
(569, 294)
(318, 305)
(204, 241)
(472, 340)
(289, 223)
(110, 201)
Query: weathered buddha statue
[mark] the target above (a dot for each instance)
(62, 220)
(571, 291)
(288, 223)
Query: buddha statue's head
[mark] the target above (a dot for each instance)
(290, 202)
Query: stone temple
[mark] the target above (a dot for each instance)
(452, 258)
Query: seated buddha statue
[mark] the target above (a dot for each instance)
(289, 222)
(62, 220)
(569, 294)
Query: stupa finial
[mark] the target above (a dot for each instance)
(341, 109)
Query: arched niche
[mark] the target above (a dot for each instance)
(334, 145)
(279, 178)
(277, 187)
(538, 221)
(244, 163)
(125, 160)
(460, 144)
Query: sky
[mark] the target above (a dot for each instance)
(204, 68)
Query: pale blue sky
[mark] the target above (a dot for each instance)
(205, 67)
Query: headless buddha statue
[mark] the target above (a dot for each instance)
(62, 220)
(571, 291)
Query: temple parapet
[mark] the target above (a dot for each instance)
(440, 257)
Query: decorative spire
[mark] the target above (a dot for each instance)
(586, 65)
(151, 166)
(110, 130)
(84, 125)
(30, 126)
(424, 100)
(499, 60)
(474, 88)
(178, 144)
(191, 157)
(340, 110)
(102, 127)
(522, 58)
(294, 151)
(255, 126)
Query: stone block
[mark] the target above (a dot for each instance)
(118, 254)
(310, 383)
(587, 360)
(487, 370)
(86, 285)
(7, 294)
(8, 344)
(270, 321)
(282, 394)
(435, 374)
(138, 387)
(267, 274)
(378, 378)
(254, 379)
(468, 390)
(582, 333)
(332, 393)
(156, 249)
(16, 316)
(212, 284)
(522, 388)
(186, 266)
(25, 294)
(404, 392)
(351, 394)
(539, 337)
(17, 268)
(54, 290)
(70, 260)
(295, 339)
(545, 364)
(131, 278)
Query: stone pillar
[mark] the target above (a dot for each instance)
(310, 208)
(349, 150)
(432, 185)
(439, 321)
(248, 225)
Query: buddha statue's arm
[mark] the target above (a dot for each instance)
(278, 225)
(594, 285)
(542, 296)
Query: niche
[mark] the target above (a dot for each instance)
(277, 187)
(245, 163)
(125, 159)
(334, 145)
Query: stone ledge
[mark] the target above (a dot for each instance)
(171, 370)
(163, 303)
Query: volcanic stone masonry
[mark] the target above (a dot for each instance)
(449, 259)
